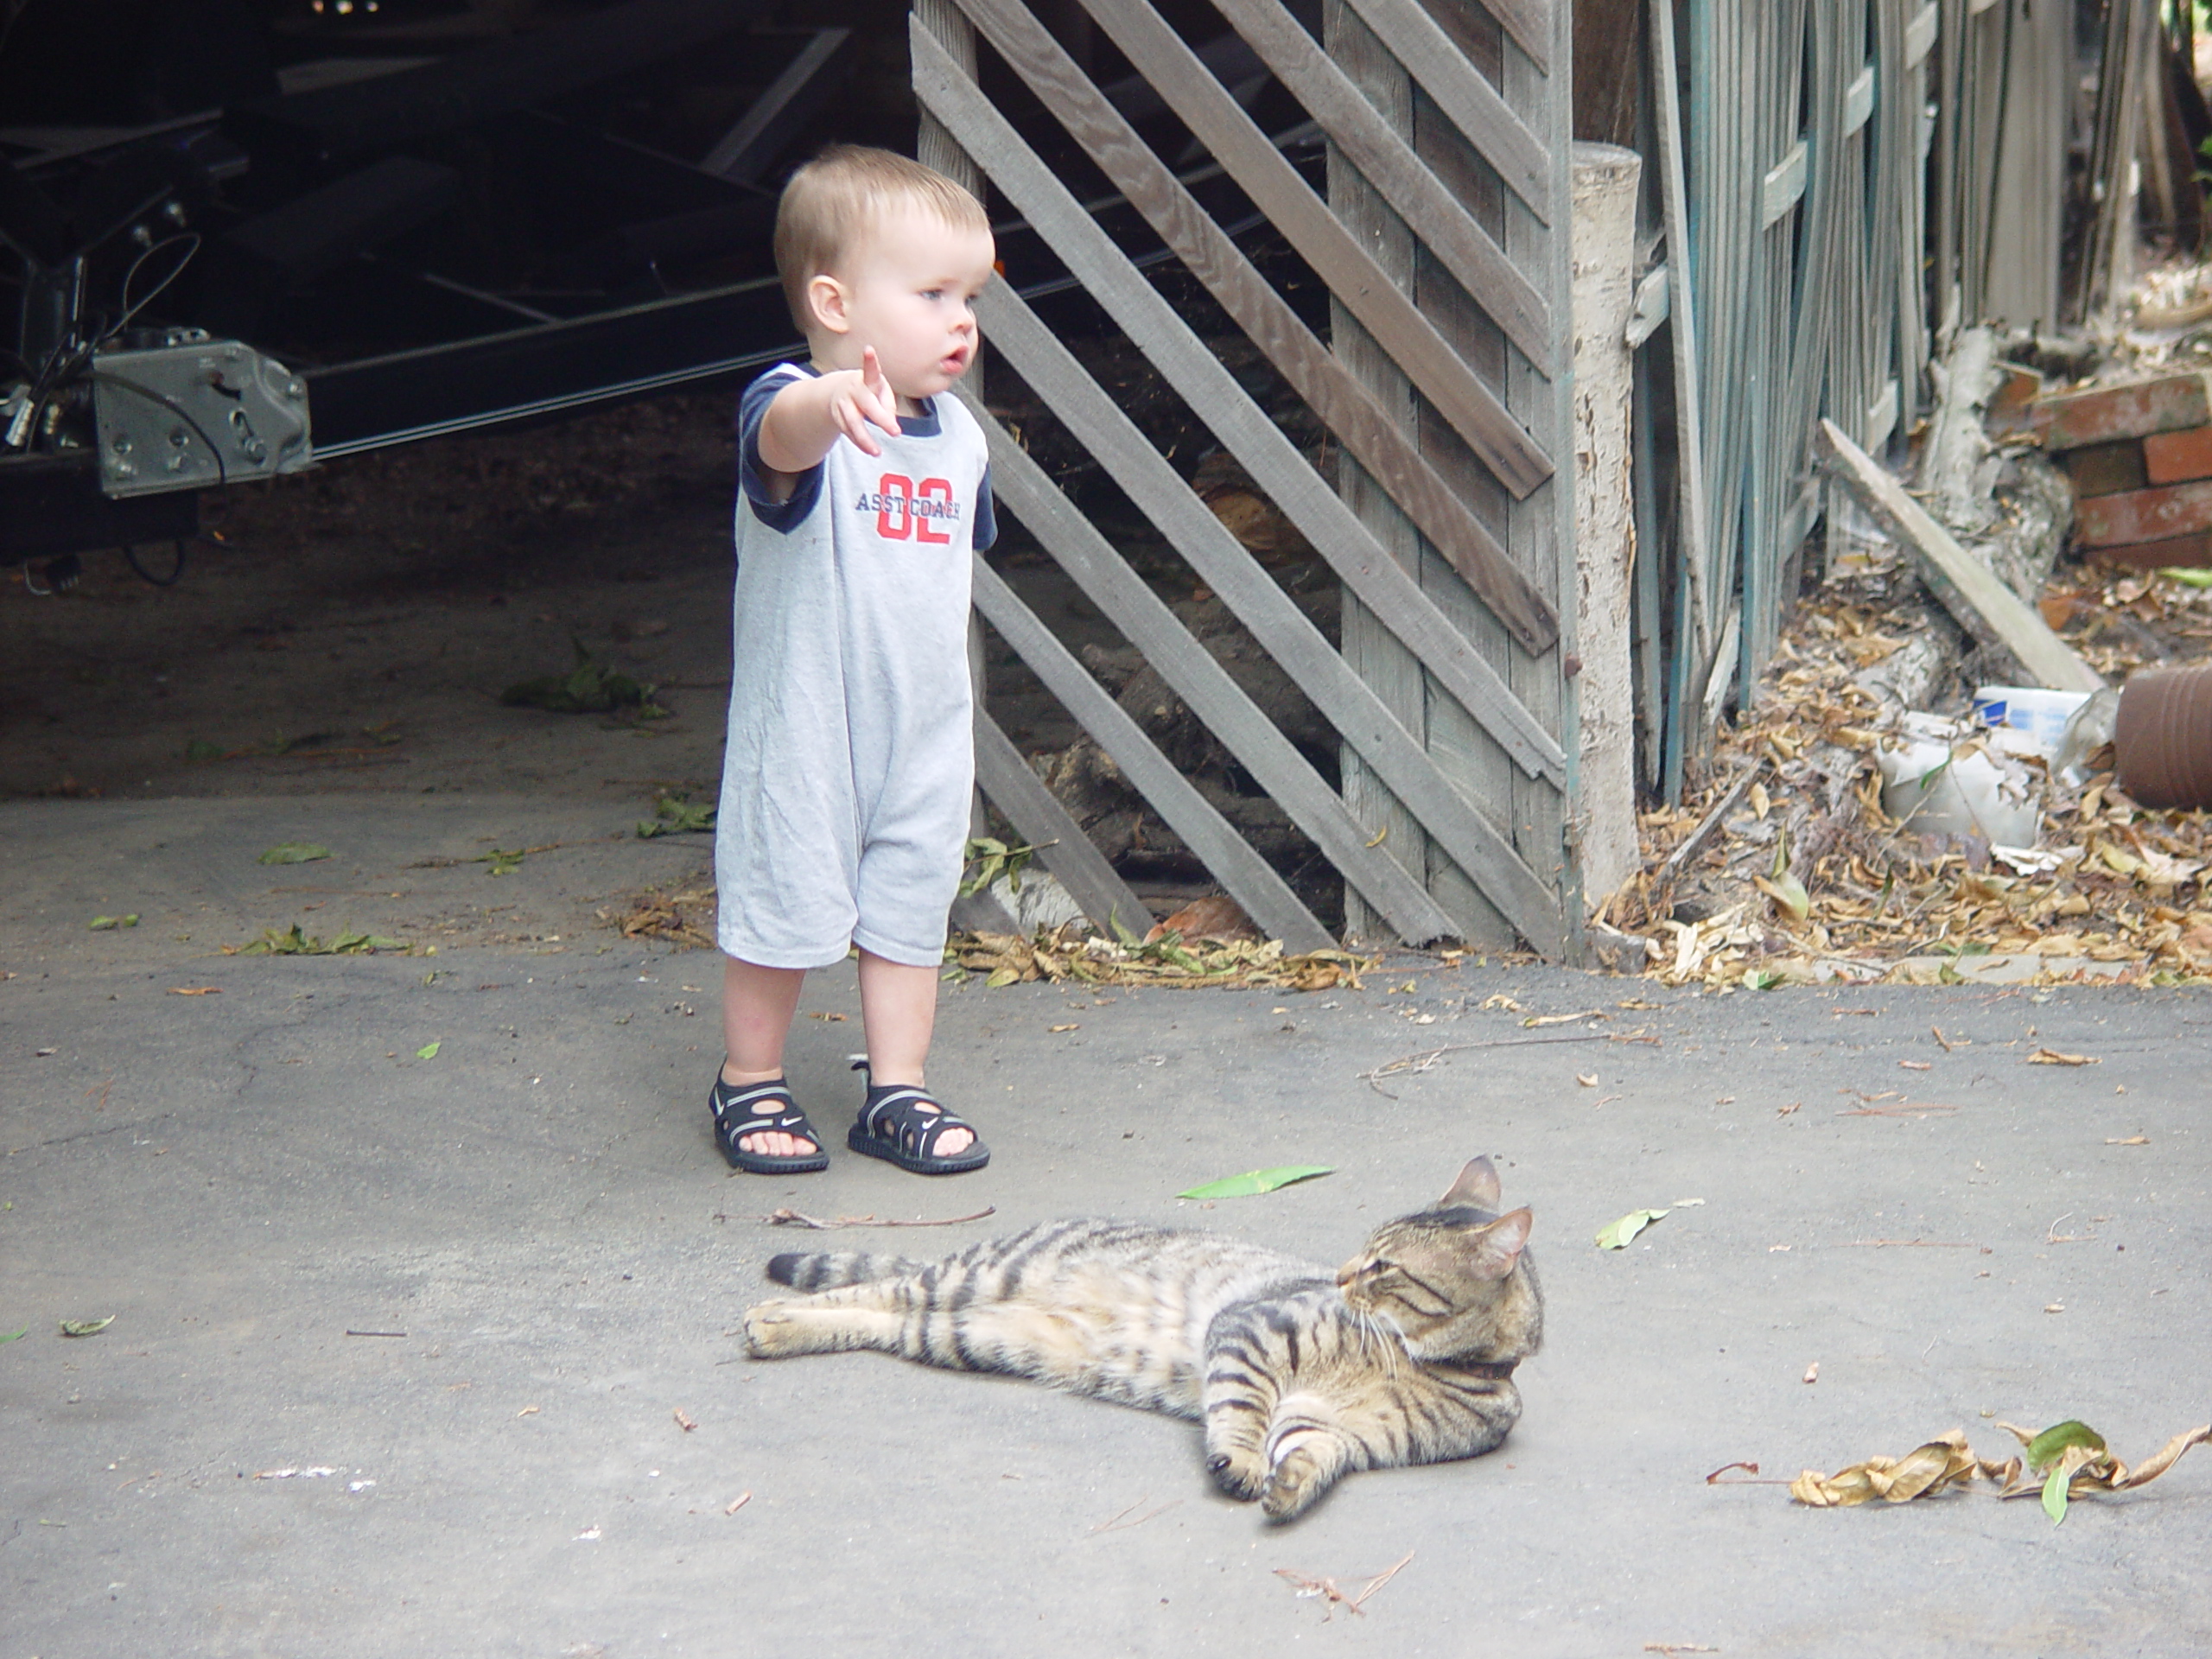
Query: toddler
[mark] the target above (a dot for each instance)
(851, 763)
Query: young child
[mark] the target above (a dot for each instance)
(850, 761)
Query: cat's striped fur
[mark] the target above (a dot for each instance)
(1301, 1374)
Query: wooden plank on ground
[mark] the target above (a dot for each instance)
(1258, 744)
(1519, 461)
(1243, 427)
(1970, 590)
(1251, 881)
(1289, 637)
(1315, 374)
(1041, 820)
(1461, 245)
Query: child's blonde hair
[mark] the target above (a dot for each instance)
(836, 198)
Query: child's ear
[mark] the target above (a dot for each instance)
(826, 299)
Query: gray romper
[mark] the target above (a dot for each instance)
(851, 760)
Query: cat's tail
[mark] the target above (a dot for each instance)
(826, 1269)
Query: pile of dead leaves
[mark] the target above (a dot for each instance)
(1169, 961)
(1805, 878)
(684, 916)
(2070, 1457)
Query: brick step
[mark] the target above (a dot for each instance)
(2175, 457)
(2190, 551)
(2152, 515)
(2106, 468)
(2172, 403)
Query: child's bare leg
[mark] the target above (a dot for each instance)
(758, 1004)
(898, 1013)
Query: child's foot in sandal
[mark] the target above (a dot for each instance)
(761, 1130)
(903, 1125)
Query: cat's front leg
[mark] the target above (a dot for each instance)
(1237, 1409)
(1306, 1454)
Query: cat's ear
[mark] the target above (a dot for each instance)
(1476, 1186)
(1498, 1246)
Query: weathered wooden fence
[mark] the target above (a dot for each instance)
(1443, 241)
(1792, 143)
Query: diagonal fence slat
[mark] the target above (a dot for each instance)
(1243, 427)
(1221, 563)
(1259, 746)
(1523, 159)
(1343, 405)
(1062, 847)
(1529, 23)
(1459, 244)
(1266, 897)
(1517, 458)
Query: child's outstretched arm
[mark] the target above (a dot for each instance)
(808, 416)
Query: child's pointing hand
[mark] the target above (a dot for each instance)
(862, 397)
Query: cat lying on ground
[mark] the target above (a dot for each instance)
(1301, 1375)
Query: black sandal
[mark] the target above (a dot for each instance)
(902, 1124)
(741, 1109)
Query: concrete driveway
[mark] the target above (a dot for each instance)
(435, 1355)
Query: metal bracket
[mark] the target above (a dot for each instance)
(196, 413)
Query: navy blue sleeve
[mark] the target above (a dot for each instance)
(751, 408)
(987, 517)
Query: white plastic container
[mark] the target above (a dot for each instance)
(1939, 785)
(2041, 715)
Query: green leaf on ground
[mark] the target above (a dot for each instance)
(294, 852)
(675, 815)
(1615, 1236)
(1255, 1182)
(85, 1327)
(2048, 1447)
(2054, 1494)
(296, 943)
(590, 688)
(200, 749)
(11, 1336)
(427, 1051)
(103, 924)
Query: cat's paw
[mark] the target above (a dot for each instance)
(769, 1328)
(1292, 1486)
(1239, 1470)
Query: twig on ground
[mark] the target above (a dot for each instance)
(792, 1218)
(1907, 1244)
(1334, 1596)
(1117, 1524)
(1714, 1478)
(1917, 1108)
(1426, 1059)
(738, 1503)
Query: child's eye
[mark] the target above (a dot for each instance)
(932, 293)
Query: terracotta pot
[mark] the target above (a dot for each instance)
(2163, 741)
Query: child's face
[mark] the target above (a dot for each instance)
(908, 290)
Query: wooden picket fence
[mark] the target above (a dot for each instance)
(1443, 239)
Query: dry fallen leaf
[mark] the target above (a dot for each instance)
(684, 1422)
(1072, 1025)
(2132, 1140)
(2052, 1057)
(1587, 1079)
(1922, 1473)
(1813, 1372)
(195, 990)
(527, 1411)
(1917, 1065)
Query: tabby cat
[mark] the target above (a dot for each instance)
(1405, 1355)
